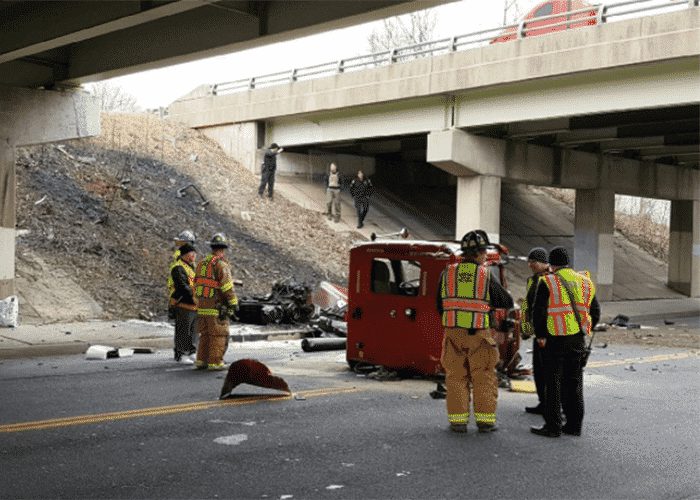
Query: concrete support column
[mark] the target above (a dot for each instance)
(7, 218)
(684, 247)
(594, 226)
(479, 205)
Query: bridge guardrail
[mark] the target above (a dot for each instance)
(593, 15)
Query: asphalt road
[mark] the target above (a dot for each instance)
(144, 427)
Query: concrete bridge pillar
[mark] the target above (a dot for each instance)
(479, 205)
(33, 117)
(594, 227)
(684, 247)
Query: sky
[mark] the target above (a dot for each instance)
(160, 87)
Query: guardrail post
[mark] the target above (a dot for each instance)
(212, 89)
(453, 44)
(693, 3)
(392, 56)
(600, 15)
(251, 83)
(521, 29)
(293, 75)
(340, 68)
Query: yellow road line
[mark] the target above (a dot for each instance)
(648, 359)
(165, 410)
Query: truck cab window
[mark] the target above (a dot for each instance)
(396, 277)
(545, 10)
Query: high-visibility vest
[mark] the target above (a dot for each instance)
(465, 296)
(560, 314)
(526, 325)
(204, 282)
(190, 278)
(173, 263)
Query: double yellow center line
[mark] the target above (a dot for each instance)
(166, 410)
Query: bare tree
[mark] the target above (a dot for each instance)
(112, 97)
(400, 31)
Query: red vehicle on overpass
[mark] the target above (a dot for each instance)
(392, 316)
(550, 17)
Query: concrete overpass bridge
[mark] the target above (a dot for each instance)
(48, 48)
(603, 109)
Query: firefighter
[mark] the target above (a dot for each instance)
(183, 303)
(537, 262)
(466, 295)
(185, 237)
(216, 303)
(564, 312)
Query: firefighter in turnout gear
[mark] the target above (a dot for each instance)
(183, 303)
(537, 262)
(217, 302)
(564, 313)
(466, 295)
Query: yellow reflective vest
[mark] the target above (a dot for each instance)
(526, 325)
(560, 314)
(464, 290)
(173, 263)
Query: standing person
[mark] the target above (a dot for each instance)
(537, 262)
(185, 237)
(216, 303)
(469, 354)
(361, 189)
(183, 302)
(564, 312)
(269, 167)
(333, 183)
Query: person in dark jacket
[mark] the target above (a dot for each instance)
(361, 189)
(565, 311)
(269, 167)
(184, 305)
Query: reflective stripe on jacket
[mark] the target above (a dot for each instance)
(526, 325)
(560, 314)
(173, 263)
(465, 296)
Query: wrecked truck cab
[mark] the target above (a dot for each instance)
(392, 312)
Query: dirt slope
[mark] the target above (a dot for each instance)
(113, 238)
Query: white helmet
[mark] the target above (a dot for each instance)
(186, 235)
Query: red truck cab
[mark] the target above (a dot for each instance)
(392, 315)
(538, 21)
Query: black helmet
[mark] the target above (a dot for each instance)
(474, 241)
(219, 241)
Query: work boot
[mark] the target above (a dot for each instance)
(337, 219)
(537, 410)
(545, 431)
(216, 366)
(571, 431)
(487, 427)
(329, 217)
(458, 427)
(200, 365)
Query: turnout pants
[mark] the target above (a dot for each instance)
(470, 361)
(185, 334)
(333, 203)
(564, 381)
(267, 179)
(213, 340)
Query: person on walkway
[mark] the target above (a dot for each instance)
(216, 303)
(269, 167)
(466, 295)
(564, 312)
(361, 189)
(333, 184)
(537, 262)
(183, 304)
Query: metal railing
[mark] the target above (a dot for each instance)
(588, 16)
